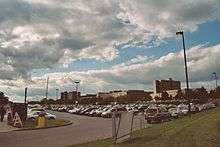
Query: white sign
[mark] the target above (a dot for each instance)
(124, 127)
(17, 121)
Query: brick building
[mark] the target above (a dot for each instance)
(166, 85)
(70, 96)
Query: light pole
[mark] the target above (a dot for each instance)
(186, 71)
(57, 91)
(216, 80)
(46, 92)
(25, 95)
(77, 86)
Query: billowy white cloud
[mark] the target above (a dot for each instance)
(37, 34)
(202, 61)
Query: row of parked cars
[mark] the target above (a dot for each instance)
(90, 110)
(162, 113)
(34, 111)
(152, 112)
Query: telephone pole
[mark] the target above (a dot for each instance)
(57, 91)
(47, 83)
(25, 95)
(186, 71)
(77, 86)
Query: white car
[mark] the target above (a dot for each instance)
(183, 109)
(209, 105)
(107, 113)
(74, 110)
(91, 113)
(35, 114)
(200, 107)
(36, 110)
(174, 112)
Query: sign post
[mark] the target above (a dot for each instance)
(113, 125)
(125, 126)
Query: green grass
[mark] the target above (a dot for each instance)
(201, 130)
(50, 123)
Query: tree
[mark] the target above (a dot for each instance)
(148, 97)
(201, 94)
(179, 95)
(212, 94)
(3, 98)
(2, 94)
(164, 95)
(43, 101)
(217, 95)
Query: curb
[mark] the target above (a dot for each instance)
(27, 129)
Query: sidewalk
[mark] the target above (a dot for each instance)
(6, 128)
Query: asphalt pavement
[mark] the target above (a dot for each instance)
(6, 128)
(83, 129)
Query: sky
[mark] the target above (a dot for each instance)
(106, 44)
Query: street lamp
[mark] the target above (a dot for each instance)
(46, 92)
(25, 95)
(57, 90)
(216, 80)
(186, 71)
(77, 85)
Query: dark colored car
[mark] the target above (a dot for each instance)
(157, 114)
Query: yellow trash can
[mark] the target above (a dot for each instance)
(41, 121)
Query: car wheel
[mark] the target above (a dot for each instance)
(51, 118)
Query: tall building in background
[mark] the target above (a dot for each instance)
(70, 96)
(166, 85)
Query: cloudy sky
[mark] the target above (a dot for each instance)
(107, 44)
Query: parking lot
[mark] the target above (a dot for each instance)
(87, 127)
(83, 129)
(152, 112)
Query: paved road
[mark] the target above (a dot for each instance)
(83, 129)
(5, 128)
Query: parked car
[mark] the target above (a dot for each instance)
(183, 109)
(74, 110)
(35, 114)
(209, 105)
(174, 112)
(142, 108)
(92, 113)
(62, 109)
(36, 109)
(108, 113)
(193, 108)
(100, 111)
(157, 114)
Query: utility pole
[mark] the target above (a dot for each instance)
(47, 83)
(186, 71)
(57, 90)
(216, 80)
(77, 86)
(25, 95)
